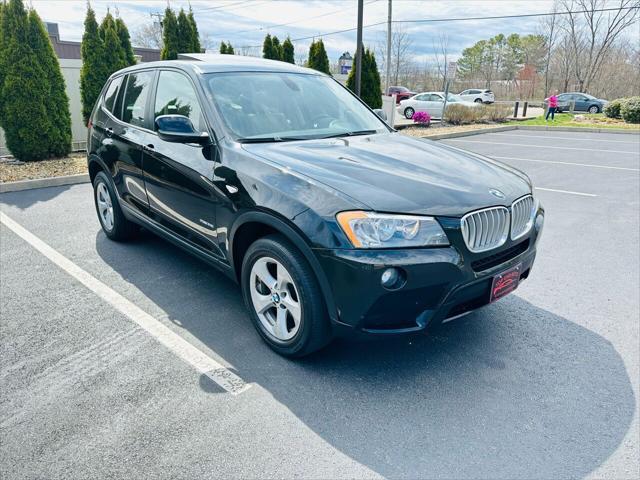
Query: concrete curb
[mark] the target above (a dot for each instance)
(443, 136)
(506, 128)
(44, 182)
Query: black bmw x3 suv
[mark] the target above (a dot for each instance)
(331, 221)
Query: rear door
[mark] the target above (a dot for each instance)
(435, 103)
(128, 130)
(178, 176)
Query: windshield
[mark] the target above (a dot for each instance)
(275, 106)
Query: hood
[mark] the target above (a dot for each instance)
(396, 173)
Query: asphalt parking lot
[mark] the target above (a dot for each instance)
(542, 384)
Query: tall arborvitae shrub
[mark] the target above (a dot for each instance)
(288, 51)
(223, 47)
(370, 89)
(277, 48)
(267, 47)
(170, 39)
(185, 33)
(114, 56)
(34, 106)
(93, 73)
(2, 53)
(195, 36)
(230, 50)
(125, 42)
(318, 59)
(226, 48)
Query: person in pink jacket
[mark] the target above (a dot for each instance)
(552, 101)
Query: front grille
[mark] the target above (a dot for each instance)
(521, 216)
(485, 229)
(501, 257)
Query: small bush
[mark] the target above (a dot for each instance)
(461, 115)
(612, 109)
(495, 112)
(422, 118)
(630, 110)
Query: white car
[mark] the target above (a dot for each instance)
(430, 102)
(478, 95)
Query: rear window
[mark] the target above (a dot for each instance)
(111, 94)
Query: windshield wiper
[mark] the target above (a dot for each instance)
(270, 139)
(351, 134)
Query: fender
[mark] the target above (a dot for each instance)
(291, 233)
(93, 158)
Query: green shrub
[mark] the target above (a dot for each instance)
(93, 73)
(630, 110)
(612, 109)
(370, 89)
(461, 115)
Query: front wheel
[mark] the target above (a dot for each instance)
(283, 297)
(408, 113)
(594, 109)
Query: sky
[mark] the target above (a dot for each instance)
(247, 22)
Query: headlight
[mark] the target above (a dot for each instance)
(381, 230)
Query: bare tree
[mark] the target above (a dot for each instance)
(400, 54)
(441, 57)
(593, 33)
(148, 36)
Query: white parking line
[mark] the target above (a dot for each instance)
(200, 361)
(544, 146)
(566, 191)
(568, 163)
(553, 137)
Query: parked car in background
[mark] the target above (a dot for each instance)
(583, 102)
(478, 95)
(401, 93)
(430, 102)
(235, 160)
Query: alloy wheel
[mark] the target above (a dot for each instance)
(408, 113)
(275, 298)
(105, 207)
(593, 109)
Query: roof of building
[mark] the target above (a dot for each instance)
(69, 49)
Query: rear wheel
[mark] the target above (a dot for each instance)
(113, 222)
(594, 109)
(408, 113)
(283, 297)
(478, 100)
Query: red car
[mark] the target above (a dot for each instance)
(401, 93)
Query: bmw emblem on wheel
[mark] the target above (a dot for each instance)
(496, 193)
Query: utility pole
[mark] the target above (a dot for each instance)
(386, 90)
(359, 48)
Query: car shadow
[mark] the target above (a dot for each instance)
(510, 391)
(23, 199)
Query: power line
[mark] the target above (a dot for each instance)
(458, 19)
(298, 20)
(222, 7)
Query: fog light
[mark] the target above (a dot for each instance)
(392, 278)
(539, 222)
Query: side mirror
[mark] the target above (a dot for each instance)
(381, 113)
(179, 129)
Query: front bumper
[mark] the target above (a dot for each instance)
(440, 283)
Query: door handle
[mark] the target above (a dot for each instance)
(148, 146)
(109, 131)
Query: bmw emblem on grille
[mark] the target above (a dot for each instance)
(496, 193)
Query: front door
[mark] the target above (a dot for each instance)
(178, 176)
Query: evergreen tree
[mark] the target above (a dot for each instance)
(267, 48)
(318, 59)
(277, 48)
(169, 36)
(288, 51)
(230, 49)
(185, 33)
(93, 73)
(2, 54)
(370, 89)
(113, 58)
(34, 105)
(226, 48)
(195, 47)
(223, 47)
(125, 42)
(58, 135)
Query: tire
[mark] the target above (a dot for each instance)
(594, 109)
(408, 113)
(312, 330)
(105, 199)
(478, 100)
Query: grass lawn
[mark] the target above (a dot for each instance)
(596, 120)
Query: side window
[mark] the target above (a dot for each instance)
(176, 96)
(135, 98)
(111, 94)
